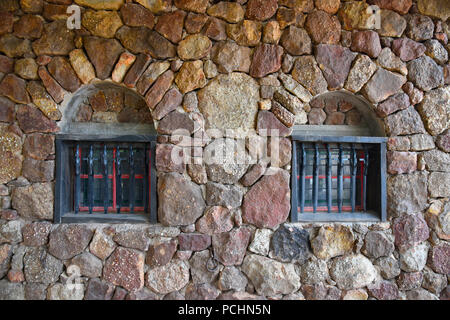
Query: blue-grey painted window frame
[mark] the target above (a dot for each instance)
(63, 212)
(370, 216)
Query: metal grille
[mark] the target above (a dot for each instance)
(111, 177)
(332, 177)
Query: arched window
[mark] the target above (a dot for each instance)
(105, 151)
(339, 171)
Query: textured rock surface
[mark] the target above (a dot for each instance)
(69, 240)
(171, 277)
(125, 267)
(352, 272)
(332, 242)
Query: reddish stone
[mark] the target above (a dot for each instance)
(323, 27)
(269, 125)
(39, 146)
(447, 74)
(6, 64)
(14, 88)
(296, 41)
(335, 118)
(103, 53)
(253, 174)
(53, 87)
(171, 100)
(6, 22)
(194, 22)
(176, 121)
(119, 294)
(401, 162)
(410, 230)
(439, 258)
(36, 234)
(16, 276)
(125, 268)
(67, 241)
(366, 42)
(160, 254)
(8, 214)
(204, 291)
(384, 290)
(7, 110)
(266, 59)
(61, 69)
(135, 15)
(261, 9)
(267, 203)
(170, 25)
(316, 116)
(409, 280)
(215, 220)
(136, 70)
(31, 120)
(194, 241)
(401, 6)
(56, 40)
(408, 49)
(159, 88)
(29, 27)
(335, 62)
(165, 160)
(230, 247)
(397, 102)
(198, 6)
(215, 29)
(443, 141)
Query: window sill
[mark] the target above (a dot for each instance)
(105, 218)
(339, 217)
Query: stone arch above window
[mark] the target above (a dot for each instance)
(105, 108)
(340, 113)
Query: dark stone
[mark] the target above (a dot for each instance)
(194, 241)
(135, 15)
(31, 120)
(230, 247)
(29, 27)
(170, 25)
(56, 40)
(296, 41)
(61, 69)
(103, 53)
(160, 254)
(39, 146)
(439, 258)
(223, 195)
(408, 49)
(290, 244)
(269, 125)
(266, 59)
(174, 121)
(136, 70)
(166, 161)
(260, 9)
(323, 27)
(53, 87)
(7, 110)
(14, 88)
(98, 290)
(67, 241)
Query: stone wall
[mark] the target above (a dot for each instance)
(248, 65)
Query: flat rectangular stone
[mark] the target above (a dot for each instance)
(138, 68)
(53, 88)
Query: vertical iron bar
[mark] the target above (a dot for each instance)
(340, 179)
(91, 178)
(316, 177)
(354, 167)
(131, 179)
(105, 179)
(329, 163)
(366, 172)
(146, 178)
(119, 180)
(77, 179)
(302, 178)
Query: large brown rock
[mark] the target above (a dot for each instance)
(7, 110)
(31, 119)
(367, 42)
(67, 241)
(260, 9)
(404, 122)
(230, 247)
(296, 41)
(191, 76)
(14, 47)
(34, 201)
(159, 88)
(335, 62)
(382, 85)
(170, 25)
(63, 72)
(434, 8)
(267, 203)
(103, 54)
(53, 87)
(56, 40)
(135, 15)
(14, 88)
(125, 268)
(198, 6)
(408, 49)
(194, 47)
(308, 74)
(229, 11)
(231, 57)
(246, 33)
(215, 220)
(29, 27)
(180, 201)
(101, 23)
(266, 59)
(323, 27)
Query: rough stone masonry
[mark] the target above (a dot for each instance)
(251, 65)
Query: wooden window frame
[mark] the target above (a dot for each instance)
(64, 211)
(377, 185)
